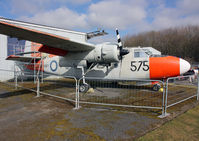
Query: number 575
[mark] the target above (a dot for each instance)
(137, 65)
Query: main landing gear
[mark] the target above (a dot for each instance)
(156, 87)
(84, 87)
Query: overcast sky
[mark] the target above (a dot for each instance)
(129, 16)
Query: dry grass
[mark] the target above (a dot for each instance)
(184, 127)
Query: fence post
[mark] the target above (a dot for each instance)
(16, 83)
(76, 99)
(15, 75)
(38, 87)
(197, 95)
(164, 100)
(22, 78)
(166, 95)
(77, 95)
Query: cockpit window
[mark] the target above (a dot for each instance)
(136, 54)
(140, 54)
(158, 55)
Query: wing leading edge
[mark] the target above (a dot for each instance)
(44, 38)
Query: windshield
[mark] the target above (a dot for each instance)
(157, 55)
(140, 53)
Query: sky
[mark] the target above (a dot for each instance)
(129, 16)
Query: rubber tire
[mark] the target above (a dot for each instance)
(84, 88)
(156, 87)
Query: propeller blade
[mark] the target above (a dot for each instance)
(119, 39)
(122, 51)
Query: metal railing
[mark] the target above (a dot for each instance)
(130, 93)
(180, 89)
(62, 87)
(56, 86)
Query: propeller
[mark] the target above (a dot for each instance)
(120, 46)
(121, 49)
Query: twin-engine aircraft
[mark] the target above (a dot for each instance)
(74, 56)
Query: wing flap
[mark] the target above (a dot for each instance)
(44, 38)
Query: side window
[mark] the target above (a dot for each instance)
(136, 54)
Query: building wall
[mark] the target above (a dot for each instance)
(5, 65)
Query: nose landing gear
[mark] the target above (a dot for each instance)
(84, 87)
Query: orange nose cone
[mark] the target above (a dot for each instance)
(164, 67)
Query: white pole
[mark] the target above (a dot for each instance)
(15, 74)
(197, 95)
(38, 88)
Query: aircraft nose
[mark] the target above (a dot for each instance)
(168, 66)
(184, 66)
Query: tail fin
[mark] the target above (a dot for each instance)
(32, 48)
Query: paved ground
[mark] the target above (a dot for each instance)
(24, 117)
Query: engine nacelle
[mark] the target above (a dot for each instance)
(110, 53)
(104, 53)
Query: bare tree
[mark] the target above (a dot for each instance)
(182, 41)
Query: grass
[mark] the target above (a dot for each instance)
(185, 127)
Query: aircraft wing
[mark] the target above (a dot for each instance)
(47, 39)
(22, 58)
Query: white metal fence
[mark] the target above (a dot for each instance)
(109, 92)
(123, 93)
(64, 88)
(59, 87)
(180, 89)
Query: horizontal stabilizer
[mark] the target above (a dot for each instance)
(22, 58)
(29, 52)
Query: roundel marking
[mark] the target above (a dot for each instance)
(53, 65)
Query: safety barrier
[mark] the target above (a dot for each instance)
(130, 93)
(122, 93)
(180, 89)
(56, 86)
(59, 87)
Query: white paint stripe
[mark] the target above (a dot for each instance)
(184, 66)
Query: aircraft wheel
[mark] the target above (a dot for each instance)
(84, 88)
(156, 87)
